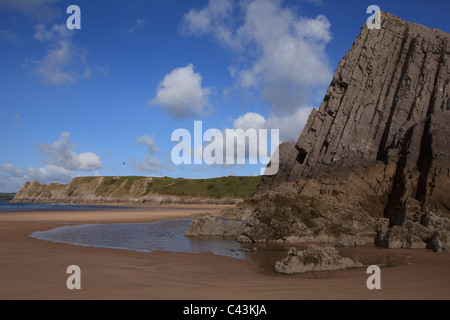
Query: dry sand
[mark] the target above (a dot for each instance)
(35, 269)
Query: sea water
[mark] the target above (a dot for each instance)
(6, 206)
(165, 235)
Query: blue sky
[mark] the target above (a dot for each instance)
(105, 99)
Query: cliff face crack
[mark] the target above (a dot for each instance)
(431, 105)
(387, 129)
(424, 163)
(394, 210)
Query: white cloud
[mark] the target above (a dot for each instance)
(11, 169)
(49, 174)
(62, 160)
(14, 178)
(284, 56)
(148, 141)
(62, 155)
(150, 164)
(140, 23)
(290, 126)
(181, 94)
(54, 68)
(216, 16)
(63, 62)
(250, 120)
(56, 32)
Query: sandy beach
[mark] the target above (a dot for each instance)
(36, 269)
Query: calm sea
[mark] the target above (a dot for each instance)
(12, 206)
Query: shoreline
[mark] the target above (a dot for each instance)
(136, 205)
(36, 269)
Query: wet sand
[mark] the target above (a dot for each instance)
(35, 269)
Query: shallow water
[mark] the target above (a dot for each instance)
(6, 206)
(168, 236)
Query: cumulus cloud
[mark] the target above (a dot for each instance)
(56, 67)
(13, 178)
(181, 94)
(56, 32)
(59, 166)
(290, 126)
(252, 149)
(148, 141)
(216, 16)
(11, 169)
(250, 120)
(64, 62)
(284, 56)
(150, 164)
(61, 155)
(49, 174)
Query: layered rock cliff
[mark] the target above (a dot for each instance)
(373, 162)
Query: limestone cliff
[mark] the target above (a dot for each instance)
(373, 162)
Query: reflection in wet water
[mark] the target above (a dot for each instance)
(168, 235)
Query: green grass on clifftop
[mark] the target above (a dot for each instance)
(217, 188)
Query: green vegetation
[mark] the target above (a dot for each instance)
(218, 188)
(133, 188)
(6, 196)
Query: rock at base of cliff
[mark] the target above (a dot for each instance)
(314, 258)
(205, 225)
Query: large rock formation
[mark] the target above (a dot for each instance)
(373, 162)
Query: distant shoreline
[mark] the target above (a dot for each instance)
(183, 202)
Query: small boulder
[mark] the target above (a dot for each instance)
(313, 258)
